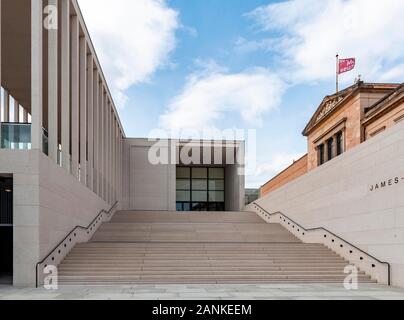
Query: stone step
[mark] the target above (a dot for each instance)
(340, 265)
(196, 246)
(114, 283)
(202, 254)
(172, 217)
(203, 275)
(168, 247)
(205, 258)
(196, 267)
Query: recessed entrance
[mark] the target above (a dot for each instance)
(6, 230)
(200, 189)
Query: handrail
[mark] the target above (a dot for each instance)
(334, 235)
(69, 234)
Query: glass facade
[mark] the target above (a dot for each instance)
(200, 189)
(17, 136)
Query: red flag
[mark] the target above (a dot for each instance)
(346, 65)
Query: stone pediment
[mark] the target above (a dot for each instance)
(327, 107)
(333, 102)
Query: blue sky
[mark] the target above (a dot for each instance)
(247, 64)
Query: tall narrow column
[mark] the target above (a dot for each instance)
(90, 120)
(75, 95)
(105, 143)
(113, 158)
(116, 160)
(53, 141)
(36, 73)
(6, 106)
(65, 83)
(16, 111)
(119, 197)
(102, 143)
(120, 164)
(106, 148)
(24, 120)
(24, 116)
(83, 110)
(112, 155)
(96, 132)
(108, 153)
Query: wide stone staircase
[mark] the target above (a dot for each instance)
(200, 248)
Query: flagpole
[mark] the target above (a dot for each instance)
(337, 72)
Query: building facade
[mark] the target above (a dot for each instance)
(64, 156)
(177, 175)
(342, 122)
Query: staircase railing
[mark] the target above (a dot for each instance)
(377, 269)
(77, 235)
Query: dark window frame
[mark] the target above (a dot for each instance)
(340, 143)
(330, 148)
(321, 154)
(208, 203)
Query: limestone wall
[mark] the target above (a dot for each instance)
(358, 196)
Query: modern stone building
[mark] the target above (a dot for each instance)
(82, 203)
(184, 176)
(64, 155)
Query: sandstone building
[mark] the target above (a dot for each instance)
(342, 122)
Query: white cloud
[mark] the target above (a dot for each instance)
(308, 34)
(213, 93)
(277, 163)
(132, 39)
(271, 167)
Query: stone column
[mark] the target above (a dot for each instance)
(75, 95)
(114, 159)
(90, 120)
(24, 120)
(119, 196)
(83, 110)
(36, 73)
(108, 153)
(53, 142)
(24, 116)
(111, 115)
(16, 111)
(96, 131)
(102, 141)
(65, 83)
(112, 156)
(6, 105)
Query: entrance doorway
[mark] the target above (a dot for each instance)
(200, 189)
(6, 230)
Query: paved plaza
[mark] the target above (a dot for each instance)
(206, 292)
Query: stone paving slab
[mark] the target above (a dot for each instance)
(206, 292)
